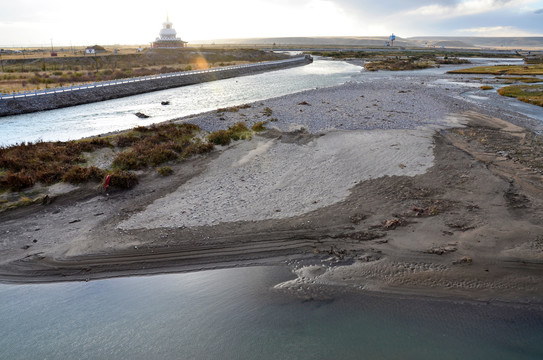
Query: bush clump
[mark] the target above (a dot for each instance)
(220, 137)
(78, 174)
(165, 171)
(224, 137)
(17, 180)
(123, 179)
(259, 126)
(197, 149)
(25, 164)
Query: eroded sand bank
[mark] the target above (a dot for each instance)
(270, 179)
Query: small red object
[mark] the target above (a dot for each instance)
(106, 184)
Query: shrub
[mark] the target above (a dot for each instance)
(486, 87)
(196, 149)
(126, 140)
(259, 126)
(165, 171)
(78, 174)
(129, 161)
(267, 111)
(219, 137)
(161, 155)
(17, 180)
(123, 179)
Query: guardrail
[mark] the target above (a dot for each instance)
(94, 85)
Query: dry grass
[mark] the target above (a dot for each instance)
(36, 71)
(23, 165)
(503, 70)
(236, 132)
(532, 94)
(513, 79)
(45, 162)
(154, 146)
(259, 126)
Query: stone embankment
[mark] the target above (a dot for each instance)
(64, 97)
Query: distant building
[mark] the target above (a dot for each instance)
(96, 49)
(168, 38)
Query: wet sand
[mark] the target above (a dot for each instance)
(425, 200)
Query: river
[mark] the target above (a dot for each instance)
(112, 115)
(237, 314)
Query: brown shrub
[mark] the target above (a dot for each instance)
(123, 179)
(220, 137)
(196, 149)
(17, 180)
(78, 174)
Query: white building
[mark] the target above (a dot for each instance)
(168, 38)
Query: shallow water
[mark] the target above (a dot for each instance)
(236, 314)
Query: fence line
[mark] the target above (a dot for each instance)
(63, 89)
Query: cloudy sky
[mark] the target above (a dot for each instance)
(36, 22)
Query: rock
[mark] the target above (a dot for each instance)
(141, 115)
(464, 260)
(164, 103)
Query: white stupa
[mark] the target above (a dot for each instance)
(168, 37)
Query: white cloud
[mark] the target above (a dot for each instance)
(495, 31)
(468, 7)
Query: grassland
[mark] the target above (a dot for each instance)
(536, 69)
(514, 79)
(22, 73)
(532, 94)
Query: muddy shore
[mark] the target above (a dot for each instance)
(418, 196)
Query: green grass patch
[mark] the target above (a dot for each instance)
(236, 132)
(532, 94)
(536, 69)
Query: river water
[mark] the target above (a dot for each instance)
(102, 117)
(235, 313)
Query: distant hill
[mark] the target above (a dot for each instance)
(466, 42)
(313, 41)
(480, 42)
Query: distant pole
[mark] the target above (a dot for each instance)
(52, 51)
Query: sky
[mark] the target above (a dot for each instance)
(26, 23)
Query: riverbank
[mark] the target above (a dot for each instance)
(412, 196)
(23, 103)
